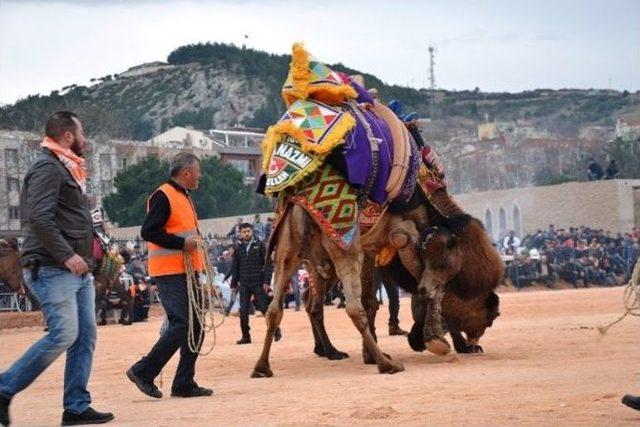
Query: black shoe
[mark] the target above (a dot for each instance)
(90, 416)
(631, 401)
(244, 340)
(147, 387)
(4, 411)
(194, 392)
(278, 334)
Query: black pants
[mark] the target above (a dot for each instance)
(174, 298)
(260, 301)
(394, 303)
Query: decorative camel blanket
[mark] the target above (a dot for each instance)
(336, 152)
(331, 202)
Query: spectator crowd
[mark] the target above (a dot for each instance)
(581, 255)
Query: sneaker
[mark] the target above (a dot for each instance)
(193, 392)
(90, 416)
(4, 411)
(631, 401)
(277, 334)
(244, 340)
(147, 387)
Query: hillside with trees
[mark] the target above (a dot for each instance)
(218, 85)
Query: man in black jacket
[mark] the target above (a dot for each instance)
(57, 257)
(251, 273)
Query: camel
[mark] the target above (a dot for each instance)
(334, 154)
(11, 266)
(107, 280)
(458, 256)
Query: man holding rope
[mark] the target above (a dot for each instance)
(171, 227)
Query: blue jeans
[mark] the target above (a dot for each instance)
(68, 305)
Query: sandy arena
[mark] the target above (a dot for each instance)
(543, 365)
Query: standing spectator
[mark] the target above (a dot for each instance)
(57, 257)
(612, 170)
(252, 278)
(268, 229)
(259, 228)
(171, 228)
(594, 170)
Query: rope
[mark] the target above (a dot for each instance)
(630, 299)
(203, 296)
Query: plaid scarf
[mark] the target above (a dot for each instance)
(73, 162)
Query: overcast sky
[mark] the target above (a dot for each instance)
(496, 45)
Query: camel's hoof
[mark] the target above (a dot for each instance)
(416, 342)
(267, 373)
(390, 367)
(337, 355)
(475, 349)
(438, 346)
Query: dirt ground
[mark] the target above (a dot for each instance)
(543, 365)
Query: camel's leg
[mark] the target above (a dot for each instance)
(287, 259)
(314, 304)
(416, 335)
(403, 235)
(348, 268)
(459, 342)
(431, 291)
(369, 302)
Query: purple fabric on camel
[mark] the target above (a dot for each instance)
(363, 94)
(358, 158)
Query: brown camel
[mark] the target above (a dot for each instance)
(299, 240)
(11, 266)
(462, 264)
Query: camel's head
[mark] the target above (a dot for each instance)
(10, 264)
(439, 246)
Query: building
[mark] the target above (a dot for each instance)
(106, 157)
(610, 204)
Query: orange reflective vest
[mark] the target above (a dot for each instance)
(182, 222)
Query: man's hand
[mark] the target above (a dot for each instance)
(266, 287)
(77, 265)
(191, 243)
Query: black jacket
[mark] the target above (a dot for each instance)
(56, 221)
(249, 267)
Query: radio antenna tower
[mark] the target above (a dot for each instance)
(432, 81)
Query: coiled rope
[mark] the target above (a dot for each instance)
(203, 296)
(630, 299)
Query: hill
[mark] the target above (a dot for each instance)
(219, 85)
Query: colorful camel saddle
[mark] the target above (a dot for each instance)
(336, 151)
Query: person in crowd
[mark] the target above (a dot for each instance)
(612, 169)
(234, 233)
(594, 170)
(58, 259)
(171, 229)
(259, 228)
(511, 243)
(251, 274)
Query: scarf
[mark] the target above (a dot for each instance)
(73, 162)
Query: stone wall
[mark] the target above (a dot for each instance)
(600, 204)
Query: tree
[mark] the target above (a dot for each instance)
(221, 191)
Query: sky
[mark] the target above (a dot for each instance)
(496, 45)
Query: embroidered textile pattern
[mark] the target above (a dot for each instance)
(332, 203)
